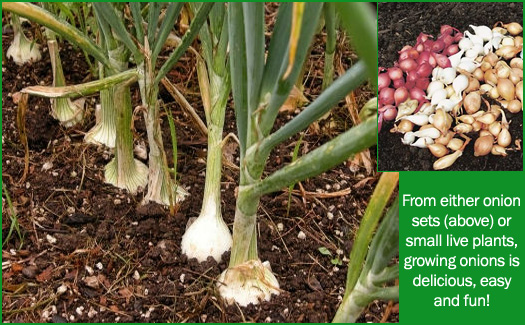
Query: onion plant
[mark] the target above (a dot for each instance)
(63, 109)
(260, 85)
(215, 86)
(145, 45)
(22, 50)
(370, 280)
(123, 171)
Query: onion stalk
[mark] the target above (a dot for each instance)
(215, 86)
(260, 87)
(69, 113)
(366, 281)
(123, 171)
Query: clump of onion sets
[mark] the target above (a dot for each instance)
(437, 91)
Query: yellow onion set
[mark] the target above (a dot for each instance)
(489, 65)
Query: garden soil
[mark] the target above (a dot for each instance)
(121, 261)
(399, 25)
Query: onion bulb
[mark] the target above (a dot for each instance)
(422, 142)
(473, 85)
(498, 150)
(502, 70)
(513, 28)
(472, 103)
(437, 149)
(383, 81)
(494, 93)
(460, 83)
(508, 51)
(487, 118)
(408, 138)
(516, 63)
(516, 75)
(463, 128)
(519, 91)
(506, 89)
(447, 161)
(455, 144)
(430, 132)
(514, 106)
(386, 96)
(445, 139)
(406, 108)
(405, 126)
(483, 145)
(433, 87)
(418, 119)
(400, 95)
(395, 73)
(495, 128)
(504, 137)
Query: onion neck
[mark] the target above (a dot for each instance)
(211, 205)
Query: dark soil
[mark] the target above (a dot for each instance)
(400, 24)
(121, 261)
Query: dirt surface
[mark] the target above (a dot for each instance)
(119, 261)
(399, 25)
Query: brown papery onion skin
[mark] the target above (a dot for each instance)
(506, 89)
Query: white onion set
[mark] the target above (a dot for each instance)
(439, 90)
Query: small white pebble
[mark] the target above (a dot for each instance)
(55, 174)
(328, 186)
(70, 210)
(280, 226)
(301, 235)
(89, 269)
(150, 244)
(92, 312)
(330, 215)
(268, 320)
(204, 317)
(337, 187)
(47, 166)
(79, 310)
(135, 223)
(62, 289)
(117, 201)
(146, 291)
(182, 277)
(286, 311)
(339, 251)
(99, 265)
(28, 185)
(72, 318)
(73, 174)
(136, 275)
(335, 269)
(117, 319)
(127, 236)
(51, 239)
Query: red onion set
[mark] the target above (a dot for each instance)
(410, 75)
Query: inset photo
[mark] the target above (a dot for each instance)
(450, 86)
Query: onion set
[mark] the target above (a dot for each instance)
(451, 78)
